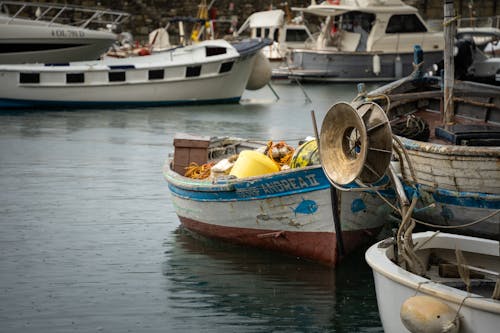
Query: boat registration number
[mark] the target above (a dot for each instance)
(67, 33)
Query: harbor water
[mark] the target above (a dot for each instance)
(89, 240)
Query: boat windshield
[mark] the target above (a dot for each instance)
(296, 35)
(348, 25)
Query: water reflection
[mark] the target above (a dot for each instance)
(256, 290)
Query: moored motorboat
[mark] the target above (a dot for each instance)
(212, 71)
(277, 25)
(46, 38)
(294, 211)
(363, 40)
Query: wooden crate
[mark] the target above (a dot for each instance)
(189, 148)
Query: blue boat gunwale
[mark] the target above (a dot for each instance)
(228, 189)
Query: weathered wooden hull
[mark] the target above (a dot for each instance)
(477, 313)
(288, 212)
(457, 185)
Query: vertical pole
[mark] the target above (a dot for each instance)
(335, 202)
(449, 72)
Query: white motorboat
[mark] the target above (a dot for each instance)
(456, 290)
(363, 40)
(42, 38)
(286, 33)
(476, 46)
(212, 71)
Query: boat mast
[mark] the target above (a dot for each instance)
(450, 30)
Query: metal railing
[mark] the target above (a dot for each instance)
(79, 16)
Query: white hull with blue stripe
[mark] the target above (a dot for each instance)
(290, 212)
(455, 170)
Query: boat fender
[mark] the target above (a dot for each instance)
(398, 67)
(261, 73)
(376, 64)
(425, 314)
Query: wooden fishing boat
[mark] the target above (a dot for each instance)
(294, 211)
(454, 168)
(439, 298)
(212, 71)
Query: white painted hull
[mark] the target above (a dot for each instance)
(28, 41)
(267, 212)
(395, 285)
(336, 66)
(210, 84)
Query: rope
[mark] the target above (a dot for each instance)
(451, 20)
(461, 225)
(280, 160)
(407, 158)
(196, 171)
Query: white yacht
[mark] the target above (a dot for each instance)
(364, 40)
(285, 32)
(46, 33)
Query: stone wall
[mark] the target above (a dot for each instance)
(147, 15)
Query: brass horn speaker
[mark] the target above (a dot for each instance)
(355, 143)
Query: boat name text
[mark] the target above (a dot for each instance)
(279, 186)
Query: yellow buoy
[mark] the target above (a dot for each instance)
(306, 154)
(253, 163)
(425, 314)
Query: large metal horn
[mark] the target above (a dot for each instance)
(355, 143)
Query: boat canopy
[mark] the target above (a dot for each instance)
(266, 19)
(368, 6)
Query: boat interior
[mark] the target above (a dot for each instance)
(415, 112)
(472, 272)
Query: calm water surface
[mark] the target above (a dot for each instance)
(89, 241)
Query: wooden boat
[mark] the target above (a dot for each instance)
(446, 149)
(454, 169)
(456, 290)
(294, 211)
(43, 33)
(362, 40)
(212, 71)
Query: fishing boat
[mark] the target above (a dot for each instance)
(453, 165)
(293, 210)
(444, 169)
(212, 71)
(46, 33)
(285, 32)
(446, 150)
(456, 287)
(363, 40)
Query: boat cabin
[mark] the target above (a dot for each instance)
(372, 25)
(215, 59)
(285, 33)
